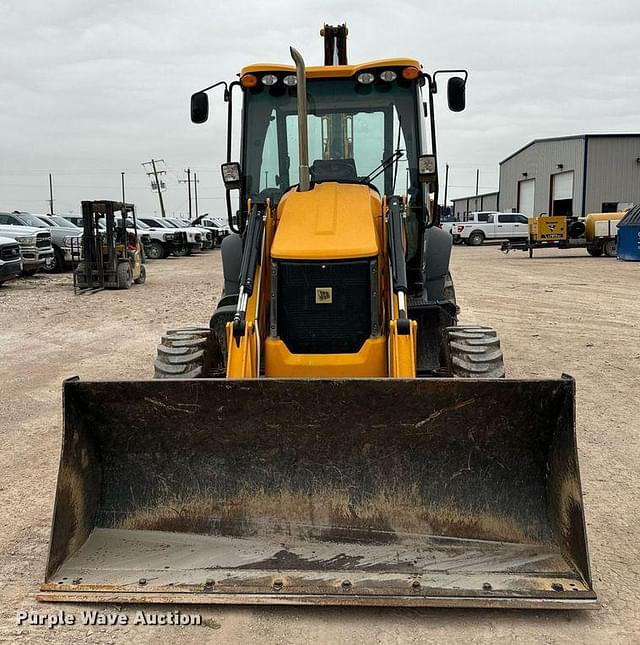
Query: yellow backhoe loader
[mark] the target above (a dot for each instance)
(333, 436)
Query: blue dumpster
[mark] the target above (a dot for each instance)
(628, 245)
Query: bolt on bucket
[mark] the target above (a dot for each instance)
(415, 492)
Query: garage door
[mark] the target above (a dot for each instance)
(562, 194)
(562, 186)
(526, 193)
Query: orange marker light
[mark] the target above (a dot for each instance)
(410, 73)
(249, 80)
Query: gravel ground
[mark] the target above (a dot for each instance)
(560, 312)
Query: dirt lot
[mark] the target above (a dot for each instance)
(560, 312)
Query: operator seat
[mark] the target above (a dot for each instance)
(340, 170)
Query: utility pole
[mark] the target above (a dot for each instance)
(446, 185)
(195, 190)
(51, 195)
(188, 182)
(477, 179)
(122, 179)
(156, 182)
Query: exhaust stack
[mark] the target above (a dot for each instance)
(303, 140)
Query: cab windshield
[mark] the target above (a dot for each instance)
(353, 130)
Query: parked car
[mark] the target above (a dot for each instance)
(59, 233)
(219, 228)
(144, 235)
(473, 216)
(162, 242)
(10, 259)
(491, 226)
(197, 235)
(194, 235)
(207, 236)
(193, 238)
(58, 220)
(74, 219)
(35, 245)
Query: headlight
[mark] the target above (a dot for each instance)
(388, 75)
(290, 80)
(68, 240)
(26, 240)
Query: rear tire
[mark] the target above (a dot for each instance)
(476, 238)
(190, 352)
(142, 278)
(474, 352)
(609, 248)
(595, 251)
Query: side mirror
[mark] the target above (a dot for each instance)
(231, 175)
(427, 169)
(199, 107)
(456, 94)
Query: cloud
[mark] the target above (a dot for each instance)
(94, 88)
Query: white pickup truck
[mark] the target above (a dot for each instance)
(487, 225)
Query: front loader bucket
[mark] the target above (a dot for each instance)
(338, 492)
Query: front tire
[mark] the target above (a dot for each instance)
(594, 251)
(474, 352)
(156, 250)
(190, 352)
(125, 279)
(57, 262)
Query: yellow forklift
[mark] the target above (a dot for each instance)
(109, 255)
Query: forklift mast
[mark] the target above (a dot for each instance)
(335, 44)
(337, 130)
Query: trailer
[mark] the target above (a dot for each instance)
(596, 233)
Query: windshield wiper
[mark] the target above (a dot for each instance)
(380, 168)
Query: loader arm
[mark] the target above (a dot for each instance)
(402, 331)
(243, 332)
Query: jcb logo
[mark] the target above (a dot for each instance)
(324, 295)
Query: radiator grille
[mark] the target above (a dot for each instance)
(43, 240)
(324, 307)
(10, 252)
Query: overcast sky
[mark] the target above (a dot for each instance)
(90, 89)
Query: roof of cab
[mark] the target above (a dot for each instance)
(328, 71)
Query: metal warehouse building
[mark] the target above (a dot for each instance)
(576, 175)
(464, 205)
